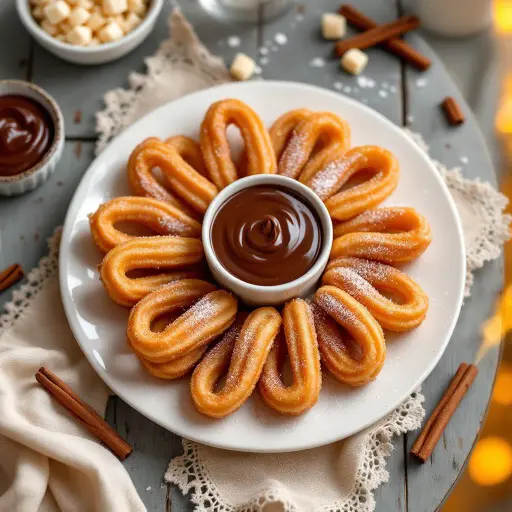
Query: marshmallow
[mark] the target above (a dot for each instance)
(242, 67)
(130, 22)
(138, 7)
(65, 27)
(96, 21)
(112, 7)
(86, 4)
(333, 26)
(79, 36)
(57, 12)
(354, 61)
(110, 32)
(49, 28)
(38, 13)
(78, 16)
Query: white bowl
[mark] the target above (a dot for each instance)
(257, 295)
(31, 178)
(95, 54)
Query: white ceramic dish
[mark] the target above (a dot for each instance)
(268, 295)
(31, 178)
(99, 325)
(90, 55)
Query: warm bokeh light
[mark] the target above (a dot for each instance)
(502, 392)
(491, 461)
(503, 16)
(504, 114)
(498, 325)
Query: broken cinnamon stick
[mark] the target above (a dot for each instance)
(91, 420)
(436, 424)
(396, 46)
(11, 275)
(452, 111)
(378, 34)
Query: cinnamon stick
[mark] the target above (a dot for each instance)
(11, 275)
(436, 424)
(452, 111)
(394, 45)
(92, 421)
(378, 34)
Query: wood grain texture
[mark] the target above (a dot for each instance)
(26, 221)
(15, 59)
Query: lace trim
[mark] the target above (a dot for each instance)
(190, 471)
(487, 205)
(23, 297)
(183, 51)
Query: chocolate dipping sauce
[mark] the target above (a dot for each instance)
(26, 134)
(266, 235)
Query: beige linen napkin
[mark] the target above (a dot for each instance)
(48, 462)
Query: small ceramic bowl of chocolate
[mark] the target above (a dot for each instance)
(267, 238)
(31, 136)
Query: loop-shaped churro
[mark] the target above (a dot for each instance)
(183, 186)
(189, 150)
(174, 257)
(259, 155)
(176, 368)
(351, 364)
(327, 176)
(302, 348)
(204, 321)
(243, 355)
(393, 235)
(283, 127)
(323, 129)
(367, 281)
(162, 218)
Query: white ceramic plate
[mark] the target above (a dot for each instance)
(99, 325)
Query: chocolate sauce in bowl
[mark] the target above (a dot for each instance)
(26, 134)
(266, 235)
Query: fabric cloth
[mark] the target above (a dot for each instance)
(36, 473)
(48, 461)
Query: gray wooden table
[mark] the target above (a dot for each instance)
(400, 93)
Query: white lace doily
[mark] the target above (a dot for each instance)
(34, 281)
(486, 228)
(227, 481)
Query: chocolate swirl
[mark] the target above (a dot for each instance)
(26, 134)
(266, 235)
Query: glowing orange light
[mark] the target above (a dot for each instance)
(504, 115)
(495, 328)
(503, 16)
(502, 392)
(491, 462)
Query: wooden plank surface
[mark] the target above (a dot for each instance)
(26, 221)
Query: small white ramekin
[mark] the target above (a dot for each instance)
(31, 178)
(256, 295)
(95, 54)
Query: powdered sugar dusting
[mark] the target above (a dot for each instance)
(234, 41)
(172, 226)
(293, 156)
(317, 62)
(333, 307)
